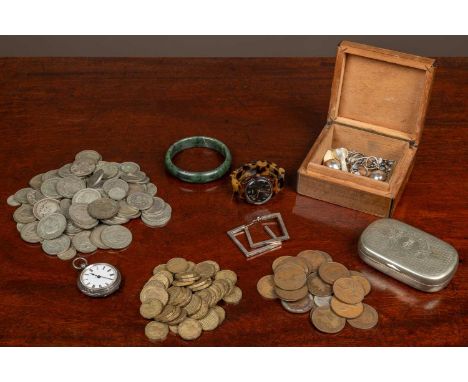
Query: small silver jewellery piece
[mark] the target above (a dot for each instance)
(98, 279)
(257, 248)
(359, 164)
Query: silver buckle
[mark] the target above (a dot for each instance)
(265, 245)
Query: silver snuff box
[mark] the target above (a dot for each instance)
(408, 254)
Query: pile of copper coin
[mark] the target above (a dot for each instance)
(312, 282)
(182, 298)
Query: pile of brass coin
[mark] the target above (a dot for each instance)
(313, 282)
(182, 298)
(81, 206)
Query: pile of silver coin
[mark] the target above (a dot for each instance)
(81, 206)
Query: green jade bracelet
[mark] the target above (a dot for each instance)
(201, 176)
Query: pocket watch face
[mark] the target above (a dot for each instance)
(258, 190)
(99, 280)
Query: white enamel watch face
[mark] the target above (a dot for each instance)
(99, 280)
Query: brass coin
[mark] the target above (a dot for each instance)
(151, 309)
(174, 329)
(330, 272)
(210, 321)
(278, 261)
(191, 266)
(292, 295)
(187, 276)
(201, 284)
(177, 265)
(314, 258)
(176, 321)
(220, 312)
(348, 290)
(152, 292)
(194, 304)
(234, 297)
(226, 274)
(155, 283)
(159, 267)
(303, 305)
(182, 283)
(190, 329)
(169, 313)
(289, 276)
(326, 321)
(202, 312)
(346, 310)
(363, 281)
(162, 279)
(205, 269)
(317, 287)
(156, 331)
(367, 320)
(266, 287)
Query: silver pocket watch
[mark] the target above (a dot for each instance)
(98, 279)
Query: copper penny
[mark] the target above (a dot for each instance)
(266, 287)
(292, 295)
(317, 287)
(290, 276)
(330, 272)
(326, 321)
(367, 320)
(278, 261)
(346, 310)
(365, 284)
(314, 258)
(348, 290)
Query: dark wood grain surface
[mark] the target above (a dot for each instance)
(133, 109)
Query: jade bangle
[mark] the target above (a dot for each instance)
(201, 176)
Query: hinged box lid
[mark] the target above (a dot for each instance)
(381, 90)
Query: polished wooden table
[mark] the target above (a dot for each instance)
(133, 109)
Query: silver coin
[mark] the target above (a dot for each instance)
(95, 236)
(36, 181)
(151, 189)
(117, 193)
(157, 208)
(89, 154)
(51, 226)
(69, 254)
(11, 201)
(72, 229)
(130, 167)
(24, 214)
(82, 243)
(304, 305)
(140, 200)
(34, 196)
(64, 171)
(110, 169)
(322, 301)
(49, 188)
(136, 187)
(19, 226)
(49, 174)
(113, 183)
(46, 207)
(103, 208)
(138, 177)
(126, 209)
(21, 195)
(116, 220)
(69, 186)
(29, 233)
(80, 216)
(116, 237)
(57, 245)
(95, 180)
(86, 196)
(83, 167)
(65, 206)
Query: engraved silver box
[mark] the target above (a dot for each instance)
(408, 254)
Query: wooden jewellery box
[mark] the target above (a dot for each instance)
(378, 104)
